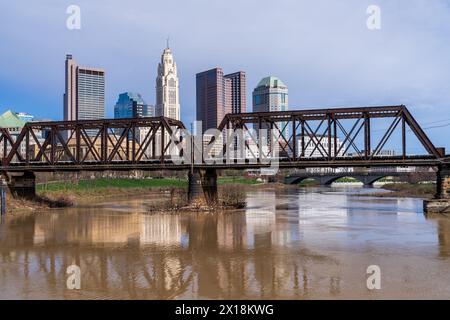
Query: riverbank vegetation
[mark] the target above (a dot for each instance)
(230, 196)
(416, 190)
(404, 190)
(173, 192)
(238, 181)
(114, 183)
(105, 188)
(124, 183)
(39, 202)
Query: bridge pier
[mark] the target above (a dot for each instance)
(203, 187)
(3, 187)
(22, 185)
(441, 201)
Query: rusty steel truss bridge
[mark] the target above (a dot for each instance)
(317, 138)
(145, 144)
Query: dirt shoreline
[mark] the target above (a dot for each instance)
(404, 190)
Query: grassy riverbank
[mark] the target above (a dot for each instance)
(66, 194)
(403, 190)
(122, 183)
(104, 188)
(104, 184)
(238, 180)
(85, 190)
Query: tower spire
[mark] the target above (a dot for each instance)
(168, 44)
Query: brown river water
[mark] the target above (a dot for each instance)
(286, 244)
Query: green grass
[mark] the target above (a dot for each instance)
(123, 183)
(308, 183)
(237, 180)
(347, 180)
(120, 183)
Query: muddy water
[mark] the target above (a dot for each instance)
(287, 244)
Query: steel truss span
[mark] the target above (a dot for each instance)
(338, 137)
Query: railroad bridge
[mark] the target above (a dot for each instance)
(316, 138)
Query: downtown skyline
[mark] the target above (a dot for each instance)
(336, 61)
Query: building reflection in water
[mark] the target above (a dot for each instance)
(264, 251)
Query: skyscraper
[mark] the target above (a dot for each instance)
(84, 97)
(271, 94)
(167, 87)
(238, 92)
(213, 98)
(131, 105)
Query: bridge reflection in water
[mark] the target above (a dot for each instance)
(284, 245)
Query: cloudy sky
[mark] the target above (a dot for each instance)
(322, 50)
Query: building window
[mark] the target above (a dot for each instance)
(172, 97)
(258, 99)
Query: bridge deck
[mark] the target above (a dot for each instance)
(237, 164)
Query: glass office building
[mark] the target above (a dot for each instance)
(132, 105)
(84, 97)
(91, 94)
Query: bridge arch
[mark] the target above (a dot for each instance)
(297, 180)
(328, 180)
(371, 179)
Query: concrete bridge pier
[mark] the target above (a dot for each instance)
(203, 187)
(22, 185)
(3, 187)
(441, 202)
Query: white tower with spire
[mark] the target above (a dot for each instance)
(167, 87)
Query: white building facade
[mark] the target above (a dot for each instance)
(167, 87)
(314, 149)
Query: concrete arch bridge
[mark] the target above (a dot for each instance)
(326, 179)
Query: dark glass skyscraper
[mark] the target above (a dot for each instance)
(218, 95)
(213, 98)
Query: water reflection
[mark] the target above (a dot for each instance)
(287, 244)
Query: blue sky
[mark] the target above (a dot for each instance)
(321, 49)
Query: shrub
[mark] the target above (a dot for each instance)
(232, 195)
